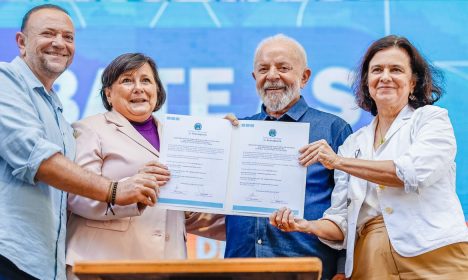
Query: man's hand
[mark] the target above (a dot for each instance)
(233, 119)
(62, 173)
(318, 151)
(141, 188)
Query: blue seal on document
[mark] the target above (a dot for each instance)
(197, 126)
(272, 132)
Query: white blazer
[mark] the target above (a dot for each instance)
(108, 145)
(424, 215)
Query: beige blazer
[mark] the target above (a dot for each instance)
(107, 144)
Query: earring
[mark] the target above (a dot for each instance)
(412, 97)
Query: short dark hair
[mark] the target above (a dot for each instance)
(429, 79)
(37, 8)
(128, 62)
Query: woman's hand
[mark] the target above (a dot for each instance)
(318, 151)
(284, 220)
(339, 276)
(160, 172)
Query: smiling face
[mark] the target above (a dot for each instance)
(390, 79)
(47, 44)
(134, 94)
(279, 74)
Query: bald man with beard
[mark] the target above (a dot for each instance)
(280, 72)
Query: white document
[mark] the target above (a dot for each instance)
(251, 170)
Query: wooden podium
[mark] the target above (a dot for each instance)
(222, 269)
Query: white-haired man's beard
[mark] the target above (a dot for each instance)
(275, 102)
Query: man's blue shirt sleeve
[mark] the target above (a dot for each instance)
(343, 132)
(23, 145)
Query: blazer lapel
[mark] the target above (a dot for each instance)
(125, 127)
(363, 150)
(365, 142)
(159, 125)
(402, 118)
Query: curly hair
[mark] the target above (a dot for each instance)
(429, 79)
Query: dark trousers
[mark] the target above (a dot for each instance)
(9, 271)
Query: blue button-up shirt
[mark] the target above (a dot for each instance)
(255, 237)
(32, 214)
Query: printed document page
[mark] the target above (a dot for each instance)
(251, 170)
(196, 151)
(265, 170)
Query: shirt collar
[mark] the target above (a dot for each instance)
(33, 82)
(31, 79)
(56, 100)
(294, 113)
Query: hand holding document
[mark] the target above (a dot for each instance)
(252, 169)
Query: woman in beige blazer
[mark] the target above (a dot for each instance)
(117, 144)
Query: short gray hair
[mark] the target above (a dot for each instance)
(298, 48)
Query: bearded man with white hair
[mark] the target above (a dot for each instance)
(280, 72)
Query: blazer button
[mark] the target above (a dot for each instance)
(166, 237)
(389, 210)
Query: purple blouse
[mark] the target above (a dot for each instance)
(149, 130)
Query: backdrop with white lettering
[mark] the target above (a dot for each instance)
(204, 51)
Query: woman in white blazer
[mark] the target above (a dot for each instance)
(394, 206)
(117, 144)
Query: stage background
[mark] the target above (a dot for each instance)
(204, 50)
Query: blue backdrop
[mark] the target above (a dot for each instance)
(204, 51)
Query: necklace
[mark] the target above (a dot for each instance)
(382, 139)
